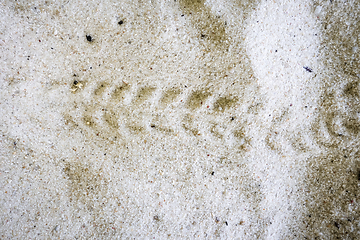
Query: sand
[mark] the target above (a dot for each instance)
(179, 119)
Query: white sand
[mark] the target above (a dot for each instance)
(179, 119)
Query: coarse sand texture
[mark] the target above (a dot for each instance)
(179, 119)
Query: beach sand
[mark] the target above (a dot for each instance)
(179, 119)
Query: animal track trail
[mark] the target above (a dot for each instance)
(113, 110)
(339, 116)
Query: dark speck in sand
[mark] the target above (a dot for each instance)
(308, 69)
